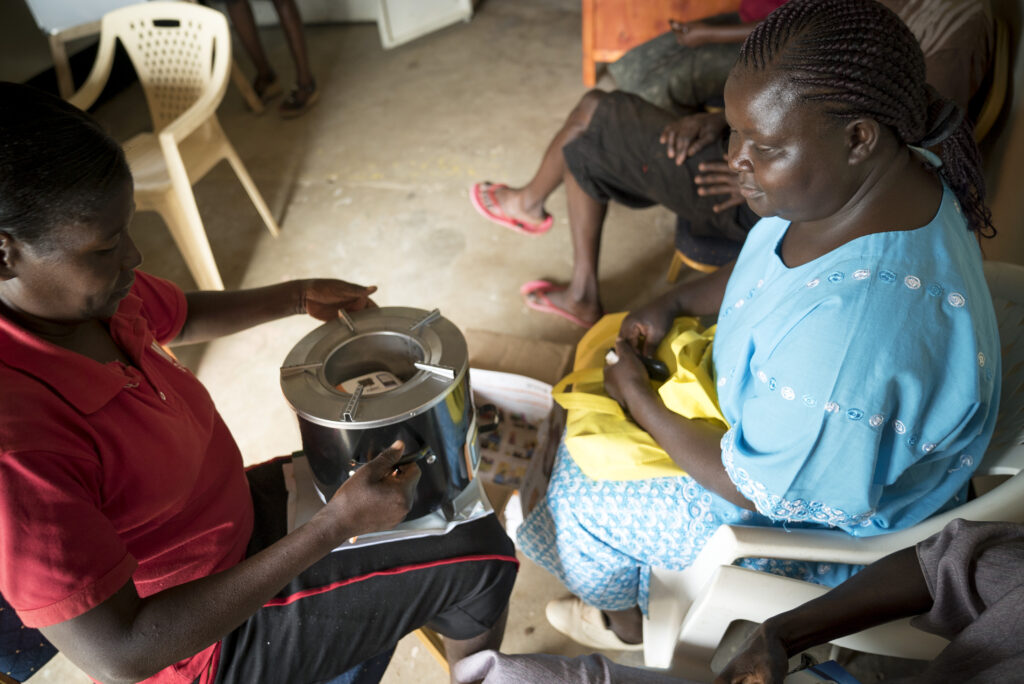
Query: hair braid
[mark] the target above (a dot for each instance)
(858, 59)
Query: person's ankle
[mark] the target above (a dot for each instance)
(626, 633)
(528, 204)
(265, 78)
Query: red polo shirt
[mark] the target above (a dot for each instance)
(110, 473)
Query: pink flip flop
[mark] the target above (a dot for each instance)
(535, 295)
(485, 202)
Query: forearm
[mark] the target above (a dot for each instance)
(891, 588)
(692, 444)
(158, 631)
(213, 314)
(700, 297)
(730, 33)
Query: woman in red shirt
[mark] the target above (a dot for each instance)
(128, 530)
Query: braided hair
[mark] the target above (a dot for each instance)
(858, 59)
(57, 165)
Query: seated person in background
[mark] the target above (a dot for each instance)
(856, 360)
(684, 70)
(616, 146)
(963, 583)
(130, 533)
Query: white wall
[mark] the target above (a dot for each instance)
(24, 52)
(319, 11)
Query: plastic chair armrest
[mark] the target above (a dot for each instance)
(732, 542)
(826, 546)
(193, 117)
(90, 91)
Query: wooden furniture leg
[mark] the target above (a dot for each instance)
(431, 640)
(589, 67)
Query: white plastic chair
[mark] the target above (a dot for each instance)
(182, 55)
(690, 610)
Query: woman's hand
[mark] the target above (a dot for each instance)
(687, 136)
(762, 661)
(646, 326)
(376, 498)
(323, 298)
(626, 379)
(716, 178)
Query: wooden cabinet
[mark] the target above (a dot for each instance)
(610, 27)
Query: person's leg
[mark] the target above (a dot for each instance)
(527, 202)
(572, 533)
(645, 70)
(627, 624)
(601, 537)
(699, 81)
(305, 86)
(355, 604)
(457, 649)
(582, 298)
(241, 16)
(615, 157)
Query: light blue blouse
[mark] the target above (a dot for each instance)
(861, 387)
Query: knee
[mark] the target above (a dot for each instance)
(585, 108)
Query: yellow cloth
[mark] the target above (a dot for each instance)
(604, 442)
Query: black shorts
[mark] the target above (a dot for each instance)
(356, 604)
(619, 157)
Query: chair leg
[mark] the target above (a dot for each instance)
(245, 88)
(679, 260)
(182, 218)
(432, 641)
(250, 188)
(674, 268)
(178, 207)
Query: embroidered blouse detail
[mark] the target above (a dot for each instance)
(779, 508)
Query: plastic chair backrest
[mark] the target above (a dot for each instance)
(173, 47)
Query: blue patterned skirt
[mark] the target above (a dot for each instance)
(601, 537)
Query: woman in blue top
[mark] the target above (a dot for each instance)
(856, 355)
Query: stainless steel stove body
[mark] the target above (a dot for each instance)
(378, 375)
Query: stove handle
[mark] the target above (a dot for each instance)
(414, 456)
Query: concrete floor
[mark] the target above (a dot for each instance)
(371, 186)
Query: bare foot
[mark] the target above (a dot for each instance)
(298, 102)
(583, 308)
(266, 86)
(511, 202)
